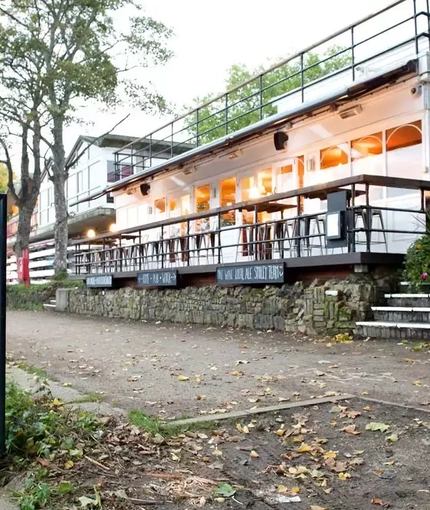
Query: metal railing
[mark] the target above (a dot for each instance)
(341, 55)
(204, 239)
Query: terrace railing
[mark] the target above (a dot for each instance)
(394, 34)
(373, 223)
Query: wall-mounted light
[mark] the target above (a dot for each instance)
(91, 233)
(350, 112)
(113, 228)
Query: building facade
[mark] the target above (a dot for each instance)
(322, 161)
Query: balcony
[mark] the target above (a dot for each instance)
(356, 220)
(338, 64)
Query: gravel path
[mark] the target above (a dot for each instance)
(139, 366)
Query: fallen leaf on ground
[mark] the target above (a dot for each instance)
(375, 427)
(183, 378)
(304, 448)
(254, 454)
(224, 490)
(393, 438)
(344, 476)
(244, 429)
(316, 507)
(377, 501)
(351, 429)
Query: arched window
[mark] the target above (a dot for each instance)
(404, 154)
(334, 156)
(404, 136)
(370, 145)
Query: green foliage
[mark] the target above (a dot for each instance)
(244, 105)
(33, 298)
(39, 432)
(417, 262)
(71, 50)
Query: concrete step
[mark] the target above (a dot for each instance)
(49, 307)
(408, 300)
(401, 314)
(394, 330)
(53, 301)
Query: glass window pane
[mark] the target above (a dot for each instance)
(370, 145)
(228, 197)
(404, 136)
(334, 156)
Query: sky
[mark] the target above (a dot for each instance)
(209, 37)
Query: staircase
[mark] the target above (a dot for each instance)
(405, 317)
(51, 306)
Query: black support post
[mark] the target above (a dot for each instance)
(3, 228)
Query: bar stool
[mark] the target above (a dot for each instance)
(310, 229)
(264, 242)
(367, 217)
(246, 242)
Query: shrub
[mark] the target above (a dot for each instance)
(417, 262)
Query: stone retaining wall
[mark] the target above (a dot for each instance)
(328, 307)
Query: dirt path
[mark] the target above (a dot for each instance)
(138, 365)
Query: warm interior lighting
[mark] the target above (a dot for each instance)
(254, 192)
(113, 228)
(91, 233)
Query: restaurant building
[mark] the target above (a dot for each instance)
(317, 168)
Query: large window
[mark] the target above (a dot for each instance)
(367, 155)
(203, 203)
(370, 145)
(203, 197)
(160, 208)
(404, 154)
(227, 190)
(334, 156)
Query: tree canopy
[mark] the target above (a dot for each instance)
(248, 103)
(56, 55)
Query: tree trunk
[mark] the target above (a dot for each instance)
(59, 177)
(24, 228)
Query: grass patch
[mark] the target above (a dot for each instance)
(31, 369)
(41, 435)
(89, 398)
(155, 426)
(39, 372)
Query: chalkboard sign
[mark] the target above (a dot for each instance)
(163, 278)
(99, 281)
(250, 273)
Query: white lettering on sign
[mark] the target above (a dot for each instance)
(99, 281)
(157, 278)
(258, 273)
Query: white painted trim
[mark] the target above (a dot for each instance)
(399, 309)
(399, 325)
(401, 296)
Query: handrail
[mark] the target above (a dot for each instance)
(272, 68)
(364, 179)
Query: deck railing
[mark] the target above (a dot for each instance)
(396, 33)
(374, 222)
